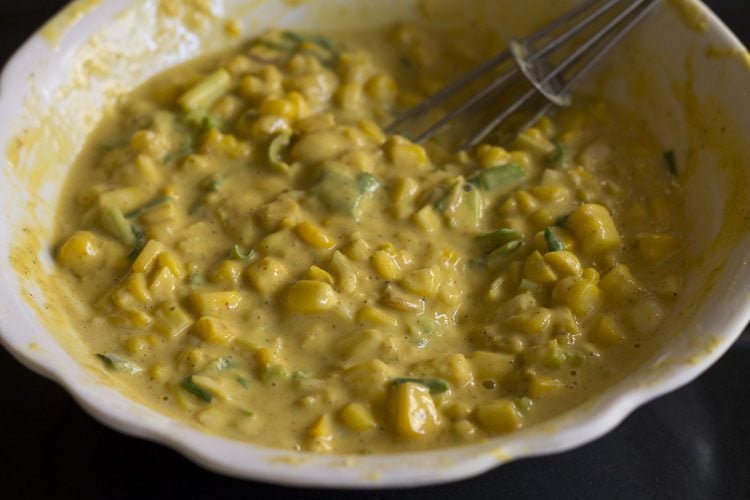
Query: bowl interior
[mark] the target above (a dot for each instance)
(681, 71)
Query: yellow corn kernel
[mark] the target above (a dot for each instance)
(492, 156)
(269, 125)
(582, 296)
(491, 365)
(267, 275)
(357, 250)
(454, 368)
(265, 356)
(284, 108)
(136, 344)
(306, 296)
(499, 416)
(375, 315)
(358, 417)
(313, 235)
(252, 87)
(521, 158)
(382, 88)
(401, 301)
(607, 332)
(136, 285)
(526, 202)
(619, 285)
(162, 285)
(80, 252)
(540, 386)
(552, 193)
(170, 319)
(427, 219)
(369, 380)
(320, 435)
(168, 260)
(645, 315)
(158, 372)
(348, 96)
(215, 303)
(564, 263)
(372, 130)
(145, 260)
(536, 269)
(414, 411)
(405, 154)
(216, 143)
(590, 274)
(534, 140)
(534, 321)
(657, 247)
(546, 126)
(228, 273)
(542, 218)
(594, 228)
(385, 265)
(214, 330)
(317, 274)
(423, 282)
(540, 242)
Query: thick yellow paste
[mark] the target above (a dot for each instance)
(257, 256)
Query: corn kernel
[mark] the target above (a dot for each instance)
(306, 296)
(645, 315)
(317, 274)
(145, 260)
(382, 88)
(491, 365)
(414, 411)
(526, 202)
(492, 156)
(594, 228)
(372, 130)
(536, 269)
(313, 235)
(385, 265)
(540, 386)
(499, 416)
(375, 315)
(267, 275)
(620, 285)
(607, 332)
(534, 321)
(170, 319)
(279, 107)
(423, 282)
(405, 154)
(564, 263)
(427, 219)
(357, 250)
(214, 330)
(583, 297)
(79, 252)
(320, 435)
(358, 417)
(590, 274)
(136, 285)
(215, 303)
(228, 273)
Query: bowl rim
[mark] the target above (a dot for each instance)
(209, 451)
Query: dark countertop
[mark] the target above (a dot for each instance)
(691, 444)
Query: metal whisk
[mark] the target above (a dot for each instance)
(548, 63)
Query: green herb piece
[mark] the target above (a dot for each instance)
(490, 179)
(276, 148)
(246, 413)
(224, 363)
(117, 225)
(110, 146)
(195, 278)
(524, 404)
(300, 375)
(367, 183)
(206, 91)
(213, 184)
(197, 391)
(118, 363)
(274, 373)
(148, 206)
(238, 254)
(671, 161)
(140, 242)
(553, 242)
(493, 239)
(243, 382)
(320, 40)
(435, 385)
(559, 156)
(506, 249)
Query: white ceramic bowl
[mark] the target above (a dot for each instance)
(682, 71)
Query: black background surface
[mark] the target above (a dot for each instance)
(691, 444)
